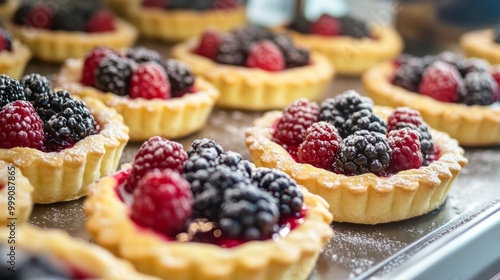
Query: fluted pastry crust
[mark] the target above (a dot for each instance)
(15, 185)
(13, 63)
(481, 44)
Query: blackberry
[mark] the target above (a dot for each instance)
(296, 57)
(236, 162)
(339, 109)
(363, 152)
(10, 90)
(200, 146)
(21, 14)
(178, 4)
(477, 89)
(113, 74)
(425, 138)
(201, 5)
(141, 55)
(72, 124)
(68, 20)
(47, 105)
(355, 28)
(469, 65)
(403, 59)
(409, 74)
(35, 85)
(363, 120)
(231, 51)
(249, 35)
(7, 39)
(450, 58)
(248, 214)
(300, 24)
(281, 187)
(180, 77)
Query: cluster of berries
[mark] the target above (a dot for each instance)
(34, 116)
(344, 136)
(173, 189)
(253, 47)
(327, 25)
(139, 72)
(5, 40)
(449, 77)
(79, 17)
(199, 5)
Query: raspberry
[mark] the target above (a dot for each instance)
(363, 152)
(440, 81)
(180, 77)
(267, 56)
(141, 55)
(209, 44)
(424, 136)
(405, 146)
(363, 120)
(101, 21)
(35, 85)
(91, 62)
(113, 74)
(495, 73)
(248, 214)
(156, 153)
(149, 81)
(155, 3)
(296, 118)
(162, 202)
(354, 28)
(20, 126)
(40, 16)
(282, 187)
(68, 20)
(236, 162)
(49, 104)
(326, 25)
(478, 88)
(225, 4)
(5, 40)
(409, 74)
(231, 52)
(10, 90)
(320, 146)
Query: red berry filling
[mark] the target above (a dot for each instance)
(326, 26)
(329, 26)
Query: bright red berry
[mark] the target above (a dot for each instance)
(163, 202)
(209, 44)
(225, 4)
(440, 81)
(101, 21)
(404, 115)
(156, 153)
(267, 56)
(495, 72)
(320, 147)
(405, 147)
(155, 3)
(149, 81)
(91, 62)
(326, 25)
(20, 126)
(40, 17)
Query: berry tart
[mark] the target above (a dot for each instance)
(57, 32)
(456, 95)
(13, 55)
(483, 44)
(15, 195)
(368, 171)
(177, 20)
(254, 68)
(45, 131)
(350, 45)
(53, 254)
(207, 214)
(155, 96)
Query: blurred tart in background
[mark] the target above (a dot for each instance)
(13, 55)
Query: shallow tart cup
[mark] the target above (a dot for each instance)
(57, 46)
(481, 44)
(79, 255)
(352, 56)
(13, 63)
(15, 191)
(366, 198)
(290, 257)
(172, 118)
(65, 175)
(470, 125)
(256, 89)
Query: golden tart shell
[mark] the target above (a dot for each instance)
(14, 184)
(13, 63)
(84, 256)
(352, 56)
(470, 125)
(366, 198)
(256, 89)
(57, 46)
(292, 257)
(65, 175)
(172, 118)
(481, 44)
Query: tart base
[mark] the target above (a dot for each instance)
(366, 198)
(470, 125)
(65, 175)
(14, 184)
(172, 118)
(255, 89)
(13, 63)
(481, 44)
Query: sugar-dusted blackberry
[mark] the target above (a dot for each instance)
(363, 152)
(180, 77)
(5, 40)
(296, 118)
(469, 65)
(231, 51)
(300, 24)
(403, 59)
(142, 54)
(35, 85)
(283, 41)
(10, 90)
(49, 104)
(450, 58)
(478, 88)
(113, 74)
(409, 74)
(200, 146)
(236, 162)
(68, 20)
(363, 120)
(248, 214)
(282, 187)
(72, 124)
(355, 28)
(339, 109)
(320, 145)
(425, 138)
(251, 34)
(201, 5)
(294, 56)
